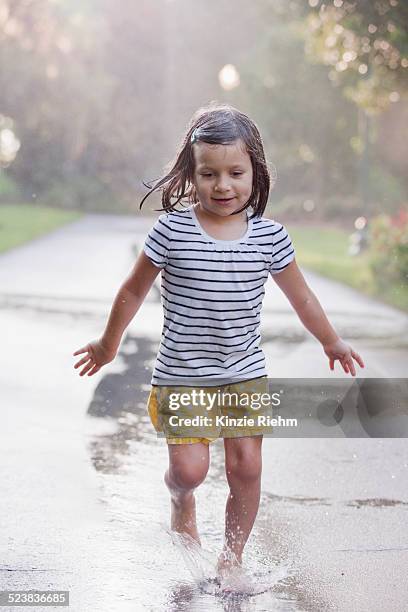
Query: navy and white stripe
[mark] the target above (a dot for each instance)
(212, 292)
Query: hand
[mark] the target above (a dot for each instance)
(345, 354)
(97, 355)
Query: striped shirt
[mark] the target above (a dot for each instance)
(212, 292)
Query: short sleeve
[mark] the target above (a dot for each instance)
(157, 242)
(283, 251)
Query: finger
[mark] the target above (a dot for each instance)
(81, 361)
(345, 365)
(352, 368)
(94, 370)
(87, 367)
(331, 363)
(358, 359)
(81, 350)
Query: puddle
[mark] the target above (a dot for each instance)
(376, 503)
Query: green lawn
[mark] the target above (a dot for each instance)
(324, 250)
(20, 223)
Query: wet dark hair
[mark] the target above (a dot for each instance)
(214, 124)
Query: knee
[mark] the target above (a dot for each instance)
(185, 477)
(243, 467)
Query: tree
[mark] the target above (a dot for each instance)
(365, 44)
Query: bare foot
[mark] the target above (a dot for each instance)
(231, 576)
(227, 563)
(183, 517)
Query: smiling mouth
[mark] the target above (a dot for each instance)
(223, 199)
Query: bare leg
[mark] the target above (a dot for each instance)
(243, 464)
(188, 467)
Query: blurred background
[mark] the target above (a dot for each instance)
(95, 96)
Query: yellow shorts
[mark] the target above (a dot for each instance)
(240, 402)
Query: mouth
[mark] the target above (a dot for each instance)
(223, 200)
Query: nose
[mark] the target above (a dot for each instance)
(222, 184)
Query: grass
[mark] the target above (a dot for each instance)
(20, 223)
(325, 250)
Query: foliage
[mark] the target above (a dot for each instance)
(365, 45)
(389, 247)
(314, 135)
(387, 191)
(304, 207)
(325, 250)
(9, 191)
(98, 97)
(307, 127)
(82, 193)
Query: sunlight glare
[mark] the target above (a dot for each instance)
(228, 77)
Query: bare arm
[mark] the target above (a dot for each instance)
(312, 315)
(127, 302)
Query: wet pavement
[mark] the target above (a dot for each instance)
(84, 507)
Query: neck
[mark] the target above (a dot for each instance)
(204, 214)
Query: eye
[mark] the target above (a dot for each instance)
(237, 173)
(206, 174)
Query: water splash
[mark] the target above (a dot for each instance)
(241, 582)
(200, 562)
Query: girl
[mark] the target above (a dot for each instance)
(215, 256)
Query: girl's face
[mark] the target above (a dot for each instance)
(222, 177)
